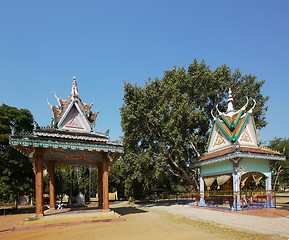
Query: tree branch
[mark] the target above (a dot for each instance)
(177, 175)
(195, 149)
(178, 167)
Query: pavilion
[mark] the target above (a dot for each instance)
(233, 155)
(69, 141)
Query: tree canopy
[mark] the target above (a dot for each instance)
(166, 122)
(280, 169)
(17, 177)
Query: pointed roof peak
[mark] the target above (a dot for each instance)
(85, 120)
(230, 102)
(74, 90)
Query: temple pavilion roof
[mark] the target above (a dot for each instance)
(233, 134)
(71, 138)
(72, 114)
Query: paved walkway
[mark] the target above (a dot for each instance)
(268, 221)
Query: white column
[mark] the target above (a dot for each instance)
(269, 202)
(236, 189)
(202, 192)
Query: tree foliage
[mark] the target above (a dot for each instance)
(16, 174)
(166, 122)
(74, 180)
(280, 169)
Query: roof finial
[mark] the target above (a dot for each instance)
(49, 104)
(74, 90)
(229, 101)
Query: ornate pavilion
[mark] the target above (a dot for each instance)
(233, 156)
(70, 141)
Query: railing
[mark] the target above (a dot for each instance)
(229, 200)
(243, 200)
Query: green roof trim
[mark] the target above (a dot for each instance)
(253, 121)
(234, 137)
(224, 131)
(55, 144)
(233, 124)
(208, 144)
(248, 114)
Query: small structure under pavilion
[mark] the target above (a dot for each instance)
(233, 155)
(70, 141)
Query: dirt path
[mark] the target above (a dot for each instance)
(275, 224)
(141, 223)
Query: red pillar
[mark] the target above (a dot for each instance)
(51, 172)
(100, 188)
(105, 184)
(39, 184)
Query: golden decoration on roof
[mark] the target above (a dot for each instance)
(219, 140)
(246, 136)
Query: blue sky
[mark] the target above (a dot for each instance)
(43, 44)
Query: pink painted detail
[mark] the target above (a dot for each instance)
(74, 121)
(50, 225)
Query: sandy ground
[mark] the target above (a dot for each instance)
(273, 226)
(148, 222)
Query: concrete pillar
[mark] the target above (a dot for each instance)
(236, 190)
(202, 192)
(51, 172)
(105, 184)
(269, 202)
(39, 184)
(100, 188)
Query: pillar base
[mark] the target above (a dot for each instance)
(202, 204)
(39, 215)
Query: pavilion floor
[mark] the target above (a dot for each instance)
(68, 216)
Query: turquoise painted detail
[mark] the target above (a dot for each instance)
(233, 124)
(242, 126)
(27, 142)
(224, 131)
(216, 168)
(234, 137)
(254, 127)
(256, 165)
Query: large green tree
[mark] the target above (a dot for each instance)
(16, 174)
(280, 169)
(166, 122)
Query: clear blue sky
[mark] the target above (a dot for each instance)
(43, 44)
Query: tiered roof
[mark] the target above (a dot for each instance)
(233, 134)
(71, 138)
(72, 114)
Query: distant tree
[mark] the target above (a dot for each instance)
(116, 179)
(280, 169)
(166, 123)
(16, 174)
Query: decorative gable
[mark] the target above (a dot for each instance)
(72, 114)
(249, 137)
(74, 121)
(218, 140)
(246, 136)
(231, 127)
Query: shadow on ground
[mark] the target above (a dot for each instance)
(160, 203)
(127, 210)
(20, 210)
